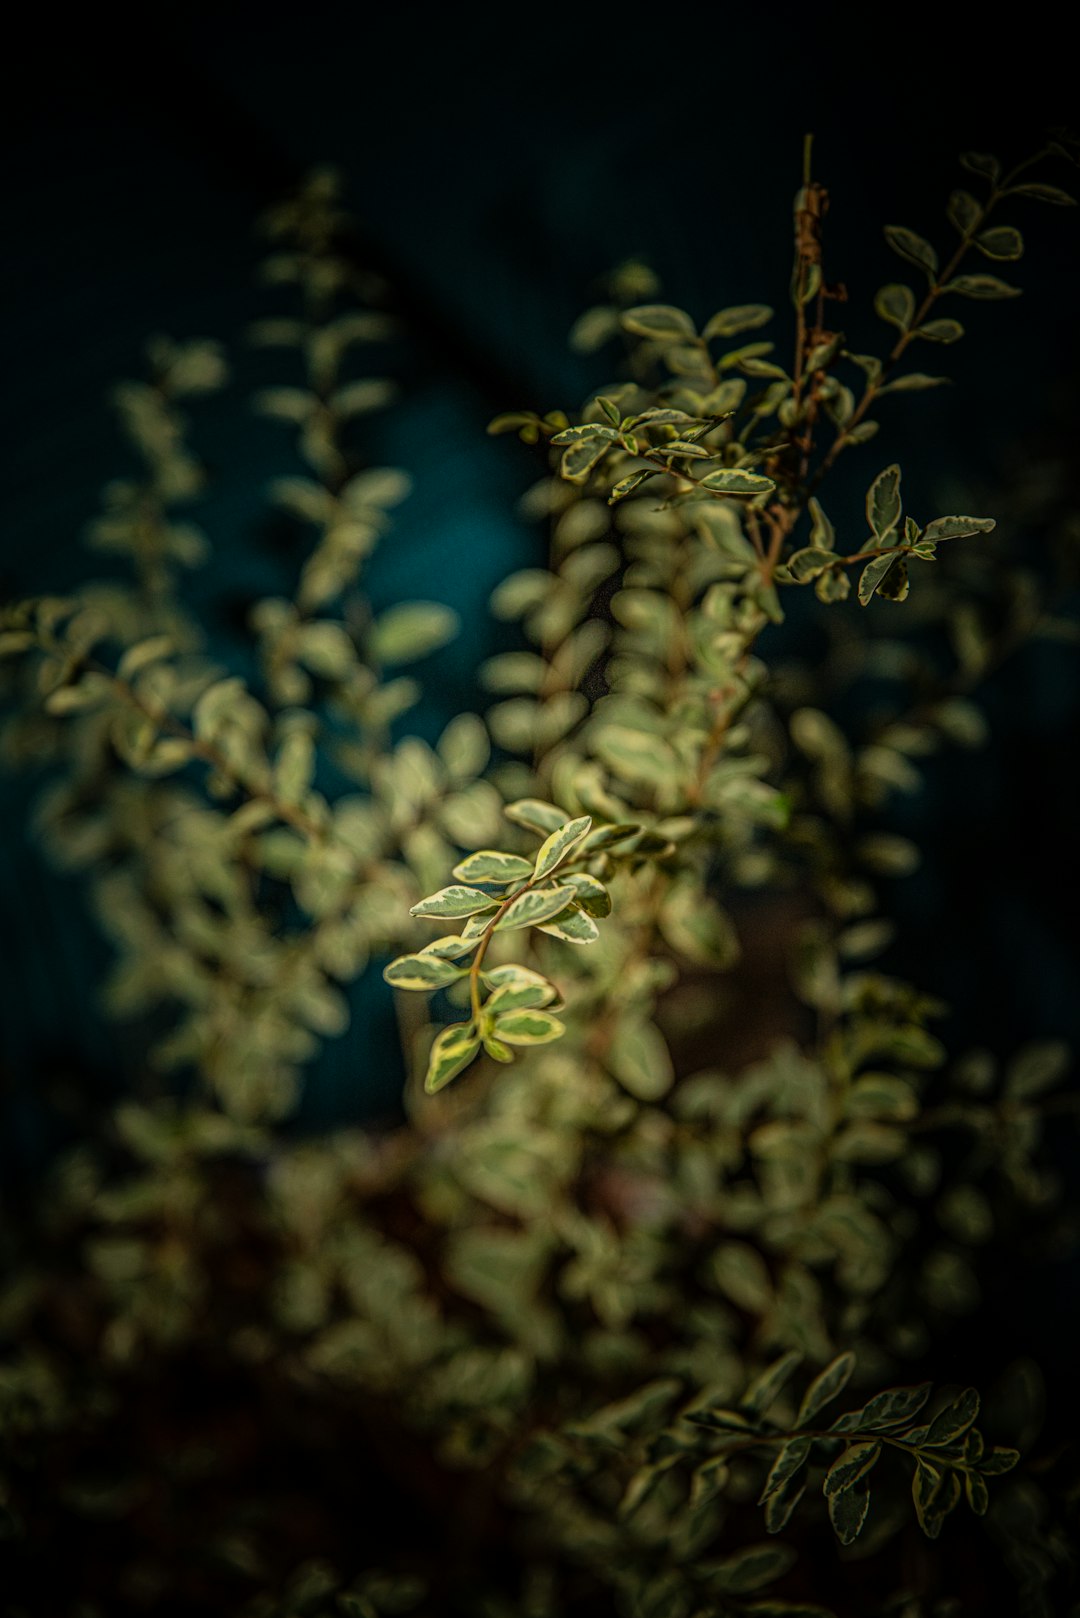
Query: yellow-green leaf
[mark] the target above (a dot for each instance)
(490, 865)
(453, 901)
(826, 1386)
(450, 948)
(427, 972)
(659, 321)
(532, 907)
(453, 1050)
(572, 926)
(640, 1060)
(528, 1027)
(535, 814)
(516, 986)
(592, 895)
(558, 845)
(883, 502)
(496, 1049)
(736, 480)
(411, 630)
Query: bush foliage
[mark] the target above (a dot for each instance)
(645, 1306)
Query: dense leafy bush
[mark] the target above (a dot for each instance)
(646, 1313)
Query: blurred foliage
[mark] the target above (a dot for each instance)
(634, 1318)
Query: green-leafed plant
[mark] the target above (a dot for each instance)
(559, 1315)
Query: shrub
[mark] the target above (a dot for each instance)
(648, 1312)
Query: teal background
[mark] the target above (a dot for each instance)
(499, 162)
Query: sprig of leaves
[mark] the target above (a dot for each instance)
(895, 540)
(912, 314)
(501, 892)
(950, 1456)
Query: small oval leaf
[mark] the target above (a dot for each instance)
(453, 901)
(491, 865)
(558, 845)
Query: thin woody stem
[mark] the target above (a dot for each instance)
(935, 291)
(487, 934)
(485, 940)
(208, 754)
(802, 264)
